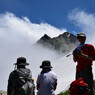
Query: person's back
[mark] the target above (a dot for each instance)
(20, 80)
(47, 81)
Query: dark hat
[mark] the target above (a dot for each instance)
(21, 61)
(81, 35)
(46, 64)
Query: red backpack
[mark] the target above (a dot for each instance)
(79, 87)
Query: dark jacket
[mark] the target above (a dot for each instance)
(14, 83)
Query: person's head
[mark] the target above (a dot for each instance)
(46, 64)
(81, 37)
(21, 62)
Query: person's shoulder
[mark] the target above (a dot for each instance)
(12, 73)
(90, 45)
(28, 69)
(53, 73)
(39, 73)
(76, 47)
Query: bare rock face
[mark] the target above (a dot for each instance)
(62, 43)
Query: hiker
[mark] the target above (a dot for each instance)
(84, 55)
(20, 80)
(47, 80)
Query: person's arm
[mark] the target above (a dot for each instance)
(86, 56)
(38, 86)
(74, 59)
(91, 54)
(38, 82)
(79, 54)
(74, 56)
(9, 86)
(55, 86)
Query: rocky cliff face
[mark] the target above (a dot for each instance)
(62, 43)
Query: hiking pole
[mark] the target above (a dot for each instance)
(68, 55)
(78, 49)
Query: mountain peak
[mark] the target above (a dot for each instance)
(64, 42)
(45, 37)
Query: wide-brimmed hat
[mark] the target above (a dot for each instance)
(21, 61)
(46, 64)
(81, 35)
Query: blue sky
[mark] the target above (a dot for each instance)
(53, 12)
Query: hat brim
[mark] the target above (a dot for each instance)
(81, 36)
(21, 63)
(46, 66)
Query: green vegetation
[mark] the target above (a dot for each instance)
(65, 93)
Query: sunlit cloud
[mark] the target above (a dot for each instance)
(85, 21)
(15, 27)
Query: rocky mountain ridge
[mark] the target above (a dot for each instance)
(64, 42)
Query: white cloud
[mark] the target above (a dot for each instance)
(16, 38)
(85, 21)
(13, 26)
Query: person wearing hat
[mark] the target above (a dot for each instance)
(84, 55)
(47, 79)
(18, 77)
